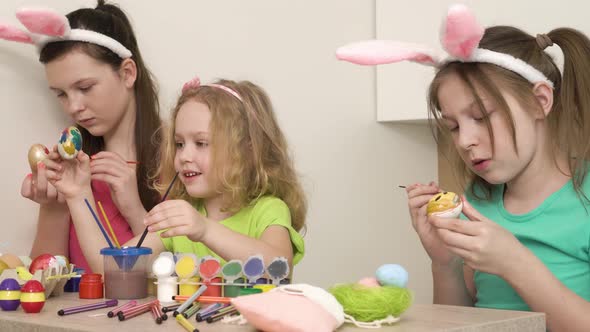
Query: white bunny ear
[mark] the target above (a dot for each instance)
(461, 33)
(376, 52)
(44, 21)
(12, 33)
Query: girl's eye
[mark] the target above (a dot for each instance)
(85, 88)
(202, 144)
(179, 145)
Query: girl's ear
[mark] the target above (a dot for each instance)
(544, 94)
(128, 72)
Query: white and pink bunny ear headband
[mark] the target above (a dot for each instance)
(46, 26)
(460, 37)
(195, 83)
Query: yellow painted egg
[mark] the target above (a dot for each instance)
(37, 153)
(445, 204)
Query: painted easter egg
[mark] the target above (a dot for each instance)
(11, 260)
(9, 294)
(32, 297)
(70, 143)
(369, 282)
(392, 275)
(43, 262)
(37, 153)
(446, 205)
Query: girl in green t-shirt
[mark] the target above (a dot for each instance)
(238, 193)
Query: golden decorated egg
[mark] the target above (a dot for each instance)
(445, 204)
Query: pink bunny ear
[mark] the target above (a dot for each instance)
(376, 52)
(44, 21)
(12, 33)
(461, 33)
(192, 84)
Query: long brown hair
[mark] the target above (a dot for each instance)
(249, 150)
(569, 120)
(110, 20)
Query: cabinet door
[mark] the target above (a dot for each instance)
(402, 87)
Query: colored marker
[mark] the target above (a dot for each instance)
(185, 323)
(113, 312)
(215, 312)
(87, 307)
(188, 313)
(171, 307)
(190, 300)
(220, 315)
(202, 299)
(136, 310)
(156, 314)
(209, 309)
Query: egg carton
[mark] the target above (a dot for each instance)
(53, 286)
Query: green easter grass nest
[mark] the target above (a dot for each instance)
(367, 304)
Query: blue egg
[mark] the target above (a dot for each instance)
(392, 275)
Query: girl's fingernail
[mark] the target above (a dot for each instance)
(40, 164)
(30, 175)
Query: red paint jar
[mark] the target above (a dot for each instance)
(91, 286)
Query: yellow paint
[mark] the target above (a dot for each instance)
(9, 295)
(186, 267)
(443, 201)
(265, 287)
(188, 289)
(32, 297)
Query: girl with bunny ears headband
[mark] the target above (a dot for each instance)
(519, 130)
(94, 66)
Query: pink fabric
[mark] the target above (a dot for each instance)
(43, 21)
(12, 33)
(374, 52)
(278, 311)
(120, 226)
(461, 33)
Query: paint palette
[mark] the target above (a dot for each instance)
(70, 143)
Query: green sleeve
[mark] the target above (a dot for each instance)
(273, 211)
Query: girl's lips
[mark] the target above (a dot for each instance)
(481, 164)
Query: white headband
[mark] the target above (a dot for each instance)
(46, 25)
(460, 38)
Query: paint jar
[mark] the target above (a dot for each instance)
(249, 291)
(91, 286)
(73, 284)
(152, 290)
(264, 287)
(189, 288)
(167, 288)
(125, 272)
(230, 290)
(213, 290)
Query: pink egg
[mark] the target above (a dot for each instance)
(369, 282)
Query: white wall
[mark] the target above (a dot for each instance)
(350, 164)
